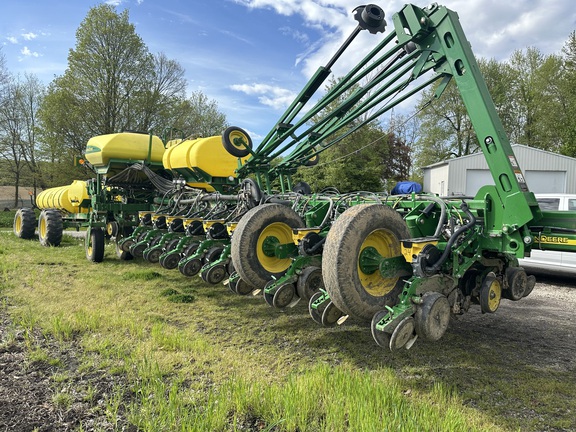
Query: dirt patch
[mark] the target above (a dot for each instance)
(50, 393)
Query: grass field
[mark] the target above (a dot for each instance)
(200, 358)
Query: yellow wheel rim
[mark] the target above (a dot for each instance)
(494, 295)
(42, 227)
(387, 246)
(18, 223)
(236, 137)
(281, 232)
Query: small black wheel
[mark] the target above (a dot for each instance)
(152, 255)
(25, 223)
(241, 287)
(190, 267)
(126, 244)
(309, 282)
(283, 295)
(316, 314)
(381, 338)
(490, 294)
(331, 315)
(94, 244)
(313, 161)
(50, 227)
(302, 188)
(112, 229)
(432, 316)
(214, 275)
(236, 141)
(213, 254)
(170, 260)
(171, 245)
(122, 254)
(517, 283)
(137, 249)
(403, 333)
(190, 249)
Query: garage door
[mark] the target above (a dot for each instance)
(538, 181)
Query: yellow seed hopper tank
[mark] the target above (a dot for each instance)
(203, 162)
(73, 198)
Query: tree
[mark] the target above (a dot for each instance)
(566, 95)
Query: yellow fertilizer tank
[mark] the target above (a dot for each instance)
(73, 198)
(200, 161)
(123, 146)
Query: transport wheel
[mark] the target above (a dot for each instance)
(330, 315)
(260, 227)
(190, 268)
(403, 333)
(316, 314)
(283, 295)
(356, 291)
(432, 316)
(381, 338)
(490, 294)
(170, 260)
(50, 228)
(94, 244)
(214, 275)
(236, 141)
(309, 282)
(25, 223)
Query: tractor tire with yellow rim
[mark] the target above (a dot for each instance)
(25, 223)
(262, 225)
(50, 227)
(358, 292)
(236, 141)
(490, 293)
(94, 244)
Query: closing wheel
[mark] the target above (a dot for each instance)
(283, 295)
(381, 338)
(94, 244)
(171, 245)
(190, 249)
(152, 255)
(330, 315)
(170, 260)
(24, 223)
(241, 287)
(236, 141)
(137, 249)
(121, 253)
(403, 333)
(432, 316)
(213, 254)
(517, 283)
(50, 228)
(316, 314)
(309, 282)
(490, 294)
(259, 227)
(356, 290)
(214, 275)
(190, 268)
(268, 298)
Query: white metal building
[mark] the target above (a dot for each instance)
(545, 172)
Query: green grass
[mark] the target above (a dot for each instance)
(199, 358)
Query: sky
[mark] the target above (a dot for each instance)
(254, 56)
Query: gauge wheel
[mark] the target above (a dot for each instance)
(283, 295)
(355, 290)
(214, 275)
(432, 316)
(191, 267)
(236, 141)
(25, 223)
(170, 260)
(490, 294)
(259, 227)
(309, 282)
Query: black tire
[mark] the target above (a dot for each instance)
(94, 244)
(152, 255)
(309, 282)
(236, 141)
(517, 283)
(122, 254)
(302, 188)
(313, 161)
(170, 260)
(213, 254)
(25, 223)
(191, 267)
(432, 316)
(354, 292)
(214, 275)
(258, 223)
(171, 245)
(50, 228)
(490, 293)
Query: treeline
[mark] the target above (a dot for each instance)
(112, 83)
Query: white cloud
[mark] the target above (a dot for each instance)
(272, 96)
(29, 36)
(27, 53)
(12, 39)
(113, 2)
